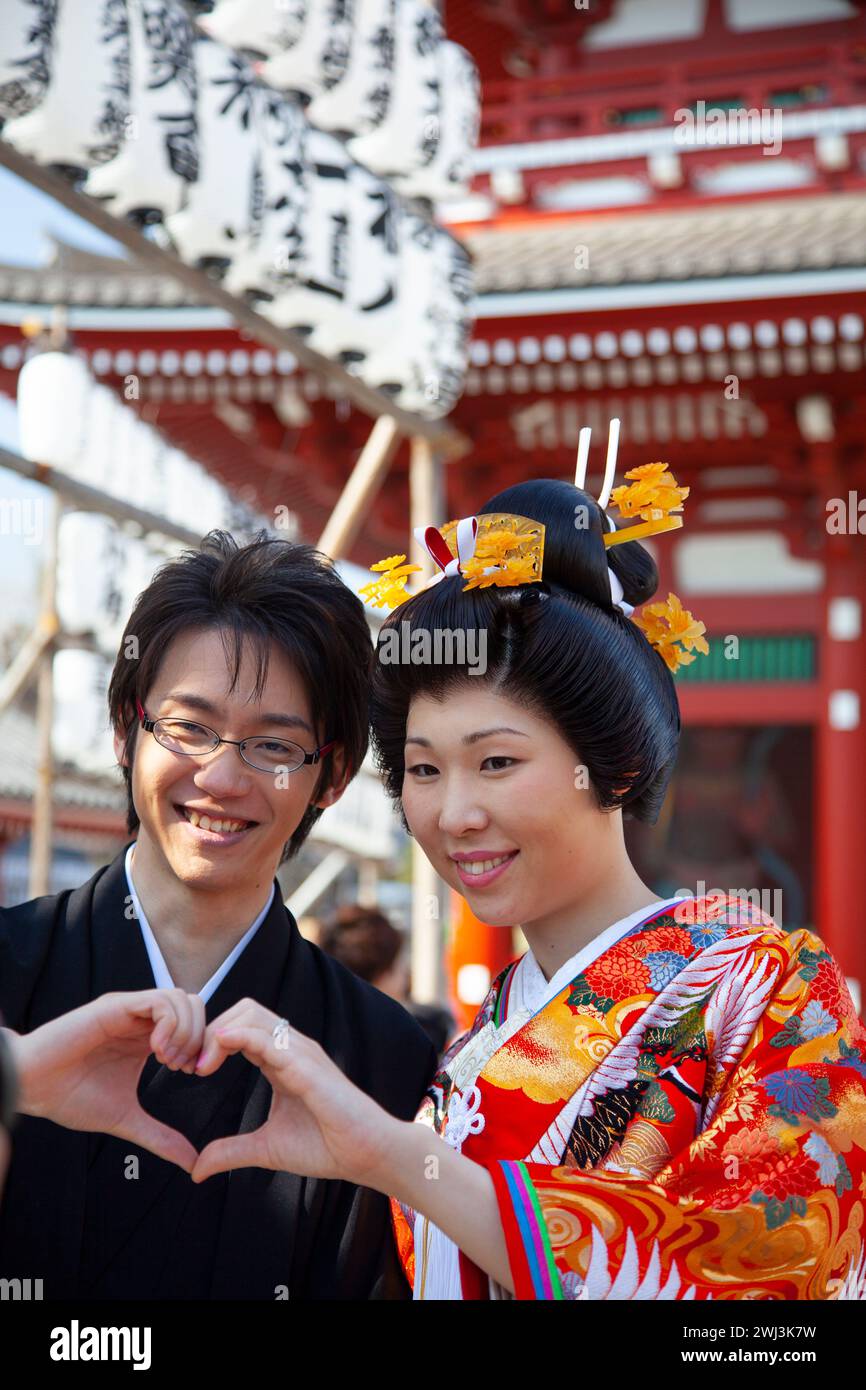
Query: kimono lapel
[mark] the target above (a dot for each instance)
(525, 1088)
(204, 1108)
(283, 1202)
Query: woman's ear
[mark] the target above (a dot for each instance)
(341, 776)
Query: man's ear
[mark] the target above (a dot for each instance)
(342, 776)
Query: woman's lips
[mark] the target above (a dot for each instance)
(468, 873)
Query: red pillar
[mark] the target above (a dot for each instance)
(476, 954)
(841, 757)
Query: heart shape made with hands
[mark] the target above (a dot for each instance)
(82, 1070)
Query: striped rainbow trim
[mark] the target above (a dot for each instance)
(533, 1231)
(500, 1013)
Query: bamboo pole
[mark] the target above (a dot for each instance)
(361, 487)
(427, 509)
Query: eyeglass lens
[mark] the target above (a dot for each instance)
(265, 754)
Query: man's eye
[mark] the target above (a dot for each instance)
(421, 769)
(272, 745)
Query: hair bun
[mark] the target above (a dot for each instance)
(575, 556)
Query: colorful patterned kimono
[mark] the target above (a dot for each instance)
(684, 1119)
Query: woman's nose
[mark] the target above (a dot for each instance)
(460, 810)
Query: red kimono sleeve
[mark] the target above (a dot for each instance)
(766, 1201)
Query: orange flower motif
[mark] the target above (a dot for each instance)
(501, 558)
(618, 974)
(390, 590)
(667, 624)
(664, 939)
(653, 494)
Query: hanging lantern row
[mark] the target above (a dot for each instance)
(162, 122)
(72, 423)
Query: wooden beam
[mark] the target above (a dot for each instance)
(92, 500)
(372, 402)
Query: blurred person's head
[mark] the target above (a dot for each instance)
(365, 942)
(261, 642)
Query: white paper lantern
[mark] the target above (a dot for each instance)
(150, 177)
(209, 228)
(266, 258)
(261, 26)
(26, 31)
(81, 120)
(89, 562)
(319, 273)
(453, 138)
(320, 57)
(81, 733)
(353, 326)
(52, 408)
(402, 141)
(422, 365)
(358, 103)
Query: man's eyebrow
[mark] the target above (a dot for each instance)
(472, 738)
(286, 721)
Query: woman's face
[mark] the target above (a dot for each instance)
(501, 806)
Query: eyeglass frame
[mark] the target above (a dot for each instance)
(310, 759)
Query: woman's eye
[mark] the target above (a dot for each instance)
(421, 769)
(502, 761)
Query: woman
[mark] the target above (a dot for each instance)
(660, 1099)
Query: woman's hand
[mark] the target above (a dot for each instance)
(320, 1125)
(82, 1069)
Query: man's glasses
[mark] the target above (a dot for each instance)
(264, 754)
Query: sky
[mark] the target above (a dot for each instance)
(28, 218)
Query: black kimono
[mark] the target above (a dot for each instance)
(75, 1215)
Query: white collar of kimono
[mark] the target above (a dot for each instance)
(162, 978)
(531, 991)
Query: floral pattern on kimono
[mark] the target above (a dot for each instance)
(685, 1120)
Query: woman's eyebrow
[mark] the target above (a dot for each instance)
(471, 738)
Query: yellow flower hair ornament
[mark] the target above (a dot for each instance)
(389, 590)
(493, 548)
(673, 631)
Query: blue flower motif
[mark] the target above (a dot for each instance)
(819, 1151)
(816, 1022)
(707, 934)
(795, 1090)
(663, 966)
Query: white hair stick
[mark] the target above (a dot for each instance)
(582, 456)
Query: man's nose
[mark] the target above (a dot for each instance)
(224, 768)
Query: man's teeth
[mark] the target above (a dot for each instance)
(220, 826)
(483, 866)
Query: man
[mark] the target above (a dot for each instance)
(239, 704)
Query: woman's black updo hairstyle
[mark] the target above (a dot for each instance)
(559, 648)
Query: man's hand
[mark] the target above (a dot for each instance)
(82, 1069)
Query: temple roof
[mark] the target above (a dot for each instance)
(760, 236)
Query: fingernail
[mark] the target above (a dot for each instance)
(170, 1053)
